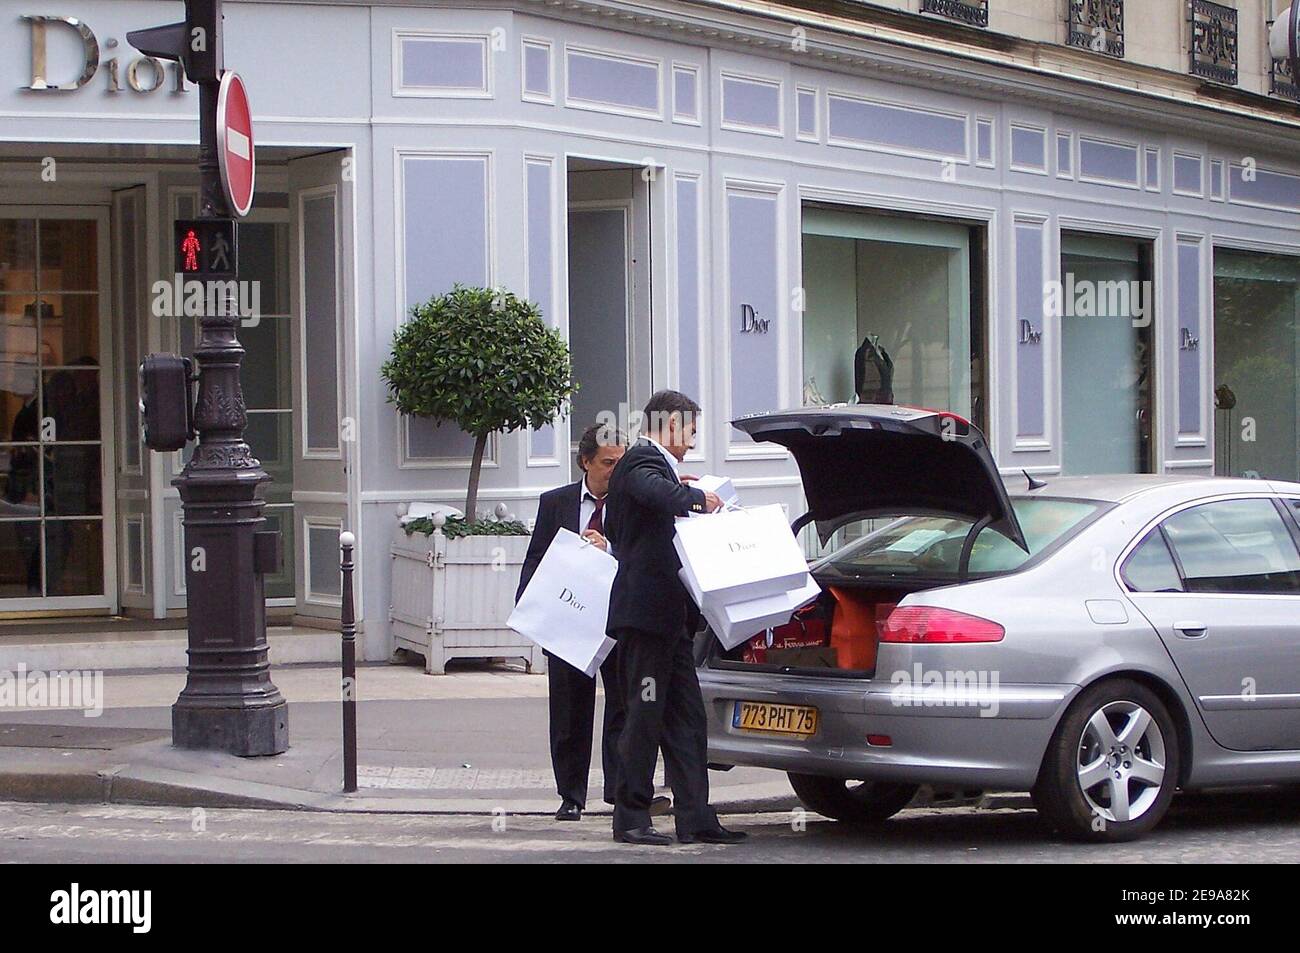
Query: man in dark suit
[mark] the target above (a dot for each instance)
(653, 620)
(579, 508)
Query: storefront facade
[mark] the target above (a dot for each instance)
(759, 210)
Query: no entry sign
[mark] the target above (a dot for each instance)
(235, 143)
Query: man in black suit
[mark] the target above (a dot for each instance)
(652, 618)
(579, 508)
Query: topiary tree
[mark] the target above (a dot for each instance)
(483, 359)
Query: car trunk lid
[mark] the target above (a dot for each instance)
(865, 460)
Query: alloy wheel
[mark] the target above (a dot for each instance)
(1121, 761)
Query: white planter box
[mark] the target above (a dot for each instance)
(451, 598)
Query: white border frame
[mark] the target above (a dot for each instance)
(992, 123)
(816, 135)
(308, 523)
(400, 155)
(775, 191)
(401, 91)
(1230, 167)
(527, 95)
(1012, 164)
(1067, 136)
(1048, 341)
(1147, 184)
(752, 79)
(685, 119)
(698, 453)
(308, 451)
(600, 106)
(1205, 288)
(1138, 160)
(832, 140)
(560, 426)
(1173, 174)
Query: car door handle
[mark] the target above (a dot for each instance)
(1190, 630)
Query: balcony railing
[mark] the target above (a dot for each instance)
(1212, 42)
(1096, 25)
(973, 12)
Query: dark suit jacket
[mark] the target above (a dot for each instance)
(555, 509)
(644, 498)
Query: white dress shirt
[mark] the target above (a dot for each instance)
(586, 507)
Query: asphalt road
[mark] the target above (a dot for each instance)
(1239, 828)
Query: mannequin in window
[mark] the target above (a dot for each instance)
(873, 372)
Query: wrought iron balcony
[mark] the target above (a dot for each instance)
(1213, 42)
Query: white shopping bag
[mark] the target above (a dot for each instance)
(740, 554)
(738, 622)
(566, 604)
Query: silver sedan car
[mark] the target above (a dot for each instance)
(1098, 641)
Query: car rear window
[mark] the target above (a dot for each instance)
(930, 546)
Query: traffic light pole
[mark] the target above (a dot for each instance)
(229, 702)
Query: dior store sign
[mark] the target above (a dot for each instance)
(67, 55)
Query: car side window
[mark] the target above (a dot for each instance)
(1150, 567)
(1235, 546)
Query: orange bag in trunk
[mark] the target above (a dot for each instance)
(854, 633)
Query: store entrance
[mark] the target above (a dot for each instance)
(55, 442)
(609, 290)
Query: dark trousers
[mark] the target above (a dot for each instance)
(573, 711)
(665, 710)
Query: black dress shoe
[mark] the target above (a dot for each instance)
(659, 806)
(643, 835)
(713, 835)
(569, 811)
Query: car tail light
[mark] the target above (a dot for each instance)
(930, 624)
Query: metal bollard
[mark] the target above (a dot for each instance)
(349, 631)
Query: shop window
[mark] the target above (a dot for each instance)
(1106, 308)
(892, 311)
(1256, 397)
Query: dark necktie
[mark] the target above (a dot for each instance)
(596, 522)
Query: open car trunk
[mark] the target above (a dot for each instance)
(867, 461)
(837, 635)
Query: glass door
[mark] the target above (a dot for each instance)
(1256, 365)
(1107, 311)
(55, 531)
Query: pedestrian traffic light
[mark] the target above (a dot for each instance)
(195, 43)
(166, 402)
(206, 248)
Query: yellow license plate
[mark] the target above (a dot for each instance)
(767, 716)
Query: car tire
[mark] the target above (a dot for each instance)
(853, 802)
(1119, 735)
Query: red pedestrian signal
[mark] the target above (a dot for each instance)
(190, 249)
(206, 248)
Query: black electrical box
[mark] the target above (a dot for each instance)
(166, 401)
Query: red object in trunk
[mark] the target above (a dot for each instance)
(807, 629)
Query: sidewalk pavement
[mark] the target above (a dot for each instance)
(470, 742)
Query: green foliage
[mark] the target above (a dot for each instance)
(456, 527)
(482, 359)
